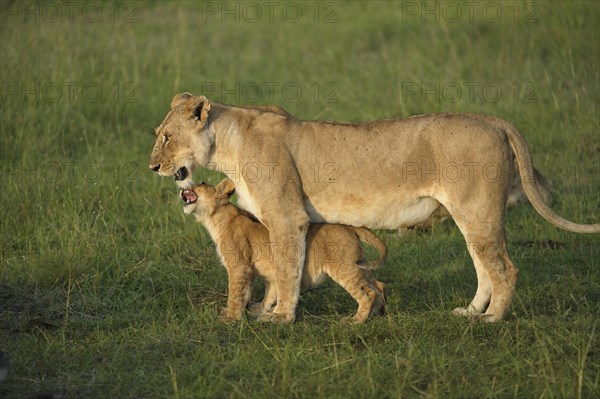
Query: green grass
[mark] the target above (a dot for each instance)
(107, 290)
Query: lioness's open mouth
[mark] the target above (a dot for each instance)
(181, 173)
(188, 196)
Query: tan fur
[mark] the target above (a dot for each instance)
(406, 169)
(245, 249)
(516, 197)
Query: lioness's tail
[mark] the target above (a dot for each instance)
(530, 184)
(367, 236)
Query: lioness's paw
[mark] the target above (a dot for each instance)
(476, 316)
(460, 312)
(465, 312)
(265, 316)
(353, 320)
(486, 318)
(277, 317)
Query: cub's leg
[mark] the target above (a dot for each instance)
(352, 278)
(239, 292)
(379, 306)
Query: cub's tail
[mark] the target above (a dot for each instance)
(367, 236)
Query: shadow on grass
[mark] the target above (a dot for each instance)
(28, 309)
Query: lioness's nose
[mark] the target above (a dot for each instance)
(154, 167)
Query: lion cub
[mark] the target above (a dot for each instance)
(244, 247)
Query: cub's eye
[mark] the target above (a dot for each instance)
(166, 139)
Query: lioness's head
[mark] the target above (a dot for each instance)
(184, 140)
(204, 199)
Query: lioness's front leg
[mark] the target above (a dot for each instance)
(258, 309)
(277, 201)
(289, 245)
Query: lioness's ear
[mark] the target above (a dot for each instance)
(225, 189)
(198, 108)
(180, 98)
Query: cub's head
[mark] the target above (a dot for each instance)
(184, 140)
(204, 199)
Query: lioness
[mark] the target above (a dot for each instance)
(244, 247)
(289, 172)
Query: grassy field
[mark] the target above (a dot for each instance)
(107, 290)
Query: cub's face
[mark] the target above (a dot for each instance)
(183, 140)
(200, 200)
(204, 199)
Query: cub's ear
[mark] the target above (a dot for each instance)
(180, 98)
(198, 108)
(224, 190)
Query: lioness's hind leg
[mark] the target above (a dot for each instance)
(503, 277)
(483, 295)
(497, 276)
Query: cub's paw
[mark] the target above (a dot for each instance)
(378, 308)
(227, 316)
(255, 310)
